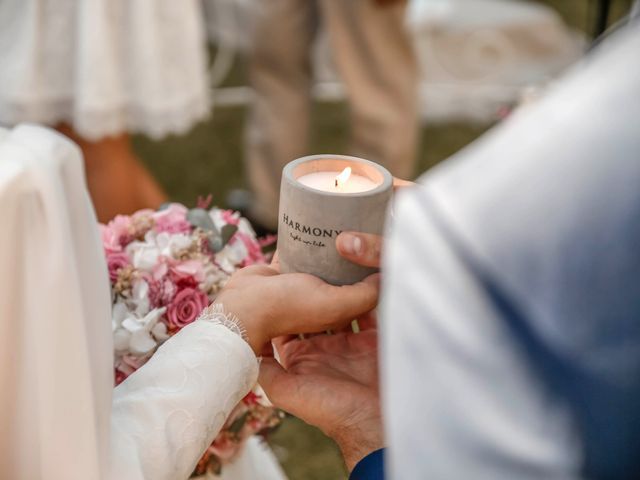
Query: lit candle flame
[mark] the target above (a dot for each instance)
(343, 177)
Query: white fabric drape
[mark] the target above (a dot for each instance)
(59, 415)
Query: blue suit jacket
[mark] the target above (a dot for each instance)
(370, 467)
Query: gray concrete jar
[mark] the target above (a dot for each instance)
(310, 220)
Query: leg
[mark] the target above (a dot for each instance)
(374, 57)
(280, 73)
(117, 181)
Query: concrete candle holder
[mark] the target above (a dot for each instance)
(311, 218)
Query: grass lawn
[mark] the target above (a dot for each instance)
(209, 160)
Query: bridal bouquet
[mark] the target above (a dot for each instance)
(165, 267)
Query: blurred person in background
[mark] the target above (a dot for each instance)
(98, 70)
(373, 55)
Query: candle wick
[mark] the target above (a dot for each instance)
(336, 182)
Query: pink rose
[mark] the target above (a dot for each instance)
(115, 262)
(161, 292)
(110, 242)
(185, 307)
(160, 270)
(188, 272)
(172, 219)
(120, 377)
(117, 233)
(129, 364)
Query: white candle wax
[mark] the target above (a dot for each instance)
(326, 181)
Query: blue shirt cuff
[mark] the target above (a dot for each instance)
(370, 467)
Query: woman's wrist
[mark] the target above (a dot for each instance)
(220, 313)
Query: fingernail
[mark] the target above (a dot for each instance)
(357, 245)
(351, 244)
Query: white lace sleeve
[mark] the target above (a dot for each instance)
(168, 412)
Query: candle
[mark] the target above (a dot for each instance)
(340, 182)
(320, 197)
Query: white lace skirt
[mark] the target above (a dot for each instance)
(104, 66)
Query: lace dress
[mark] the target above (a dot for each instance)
(104, 66)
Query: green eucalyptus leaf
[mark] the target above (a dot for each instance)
(215, 243)
(199, 218)
(228, 231)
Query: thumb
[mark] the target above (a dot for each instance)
(360, 248)
(281, 387)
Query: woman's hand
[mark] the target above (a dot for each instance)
(270, 304)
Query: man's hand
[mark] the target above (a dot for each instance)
(363, 248)
(360, 248)
(330, 381)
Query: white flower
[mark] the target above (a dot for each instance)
(120, 336)
(245, 227)
(141, 340)
(140, 297)
(134, 334)
(231, 255)
(171, 244)
(216, 216)
(213, 276)
(144, 254)
(236, 251)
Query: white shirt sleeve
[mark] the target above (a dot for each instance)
(461, 401)
(516, 257)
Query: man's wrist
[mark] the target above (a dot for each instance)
(357, 442)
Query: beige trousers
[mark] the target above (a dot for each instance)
(374, 57)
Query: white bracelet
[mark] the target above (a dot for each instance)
(215, 313)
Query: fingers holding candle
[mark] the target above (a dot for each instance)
(270, 304)
(398, 183)
(360, 248)
(363, 248)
